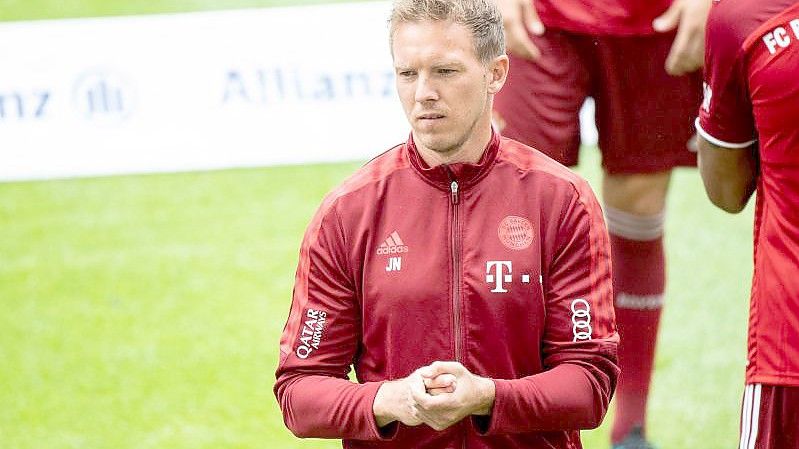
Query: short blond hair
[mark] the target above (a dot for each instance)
(481, 17)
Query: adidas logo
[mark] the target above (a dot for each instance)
(392, 245)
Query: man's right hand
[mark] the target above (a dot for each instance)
(687, 52)
(394, 401)
(519, 17)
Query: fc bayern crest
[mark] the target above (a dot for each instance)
(515, 232)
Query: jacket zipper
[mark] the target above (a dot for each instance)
(456, 281)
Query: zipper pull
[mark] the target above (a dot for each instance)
(454, 189)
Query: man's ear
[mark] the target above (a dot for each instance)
(497, 73)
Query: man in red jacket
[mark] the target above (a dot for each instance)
(464, 276)
(638, 60)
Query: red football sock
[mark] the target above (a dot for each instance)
(638, 282)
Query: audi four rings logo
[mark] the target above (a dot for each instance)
(581, 320)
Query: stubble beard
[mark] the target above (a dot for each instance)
(450, 148)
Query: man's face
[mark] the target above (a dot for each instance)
(443, 87)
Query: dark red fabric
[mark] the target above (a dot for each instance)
(776, 414)
(609, 17)
(644, 116)
(405, 273)
(638, 270)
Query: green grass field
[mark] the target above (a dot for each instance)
(145, 311)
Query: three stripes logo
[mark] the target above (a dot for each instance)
(392, 245)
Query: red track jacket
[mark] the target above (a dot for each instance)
(502, 265)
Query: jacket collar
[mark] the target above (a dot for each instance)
(465, 173)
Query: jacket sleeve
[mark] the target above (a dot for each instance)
(320, 340)
(580, 342)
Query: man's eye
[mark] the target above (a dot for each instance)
(407, 73)
(446, 71)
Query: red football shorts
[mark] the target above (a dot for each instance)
(770, 417)
(644, 116)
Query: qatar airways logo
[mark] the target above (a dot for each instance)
(312, 330)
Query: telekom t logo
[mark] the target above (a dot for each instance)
(495, 273)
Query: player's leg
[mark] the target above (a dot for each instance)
(634, 213)
(770, 417)
(539, 104)
(645, 122)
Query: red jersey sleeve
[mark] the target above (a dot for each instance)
(725, 117)
(580, 340)
(320, 340)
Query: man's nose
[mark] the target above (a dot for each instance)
(426, 90)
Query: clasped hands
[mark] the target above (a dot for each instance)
(439, 395)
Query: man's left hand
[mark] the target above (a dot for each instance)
(472, 395)
(688, 49)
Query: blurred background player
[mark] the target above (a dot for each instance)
(638, 60)
(749, 139)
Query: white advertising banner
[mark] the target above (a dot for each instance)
(196, 91)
